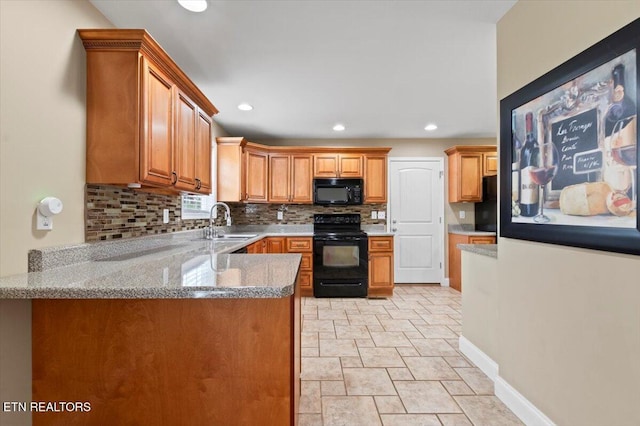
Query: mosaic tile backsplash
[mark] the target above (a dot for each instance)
(118, 213)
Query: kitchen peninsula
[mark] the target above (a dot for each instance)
(160, 329)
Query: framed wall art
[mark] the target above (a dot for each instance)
(568, 151)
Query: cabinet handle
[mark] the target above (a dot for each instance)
(198, 183)
(174, 179)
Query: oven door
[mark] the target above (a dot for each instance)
(340, 266)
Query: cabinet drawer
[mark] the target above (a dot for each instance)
(306, 264)
(482, 240)
(299, 245)
(305, 279)
(380, 244)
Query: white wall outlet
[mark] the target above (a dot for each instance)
(382, 215)
(165, 216)
(280, 215)
(463, 214)
(374, 214)
(44, 223)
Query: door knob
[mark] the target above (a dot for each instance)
(393, 221)
(394, 229)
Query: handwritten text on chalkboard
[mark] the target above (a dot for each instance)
(576, 136)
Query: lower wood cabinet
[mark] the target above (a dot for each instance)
(380, 266)
(455, 256)
(258, 247)
(304, 246)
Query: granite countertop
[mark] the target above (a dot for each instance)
(468, 229)
(490, 250)
(178, 265)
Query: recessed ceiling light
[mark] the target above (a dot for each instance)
(194, 5)
(245, 107)
(338, 127)
(430, 127)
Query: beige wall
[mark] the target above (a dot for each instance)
(569, 334)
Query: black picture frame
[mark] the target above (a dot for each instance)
(597, 236)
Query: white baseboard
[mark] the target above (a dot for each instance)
(514, 400)
(444, 282)
(479, 358)
(521, 407)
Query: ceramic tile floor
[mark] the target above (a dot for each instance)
(392, 362)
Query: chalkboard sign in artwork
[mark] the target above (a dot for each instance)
(576, 139)
(584, 192)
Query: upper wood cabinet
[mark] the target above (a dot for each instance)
(251, 172)
(243, 170)
(257, 175)
(146, 120)
(489, 164)
(375, 177)
(290, 178)
(333, 165)
(466, 168)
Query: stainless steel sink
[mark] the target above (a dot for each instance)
(237, 236)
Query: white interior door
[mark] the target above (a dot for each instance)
(416, 197)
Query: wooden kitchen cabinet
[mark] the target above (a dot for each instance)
(257, 170)
(381, 266)
(336, 165)
(489, 164)
(304, 246)
(276, 244)
(290, 178)
(143, 115)
(455, 256)
(243, 169)
(467, 166)
(259, 247)
(375, 178)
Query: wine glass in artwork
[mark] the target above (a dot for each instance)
(624, 150)
(544, 162)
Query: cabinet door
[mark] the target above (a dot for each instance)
(380, 274)
(350, 166)
(455, 257)
(470, 177)
(230, 170)
(276, 245)
(184, 155)
(301, 186)
(325, 165)
(256, 176)
(375, 179)
(203, 154)
(489, 164)
(279, 178)
(156, 145)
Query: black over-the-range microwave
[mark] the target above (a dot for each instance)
(337, 191)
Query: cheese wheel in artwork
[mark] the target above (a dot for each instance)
(585, 199)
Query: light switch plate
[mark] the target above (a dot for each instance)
(374, 214)
(463, 214)
(382, 215)
(165, 216)
(280, 216)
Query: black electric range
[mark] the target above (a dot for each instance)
(340, 256)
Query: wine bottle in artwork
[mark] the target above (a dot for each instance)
(529, 190)
(515, 164)
(621, 104)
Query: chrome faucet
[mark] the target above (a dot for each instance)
(212, 233)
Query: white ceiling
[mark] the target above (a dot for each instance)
(384, 69)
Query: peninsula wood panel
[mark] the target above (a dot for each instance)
(153, 362)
